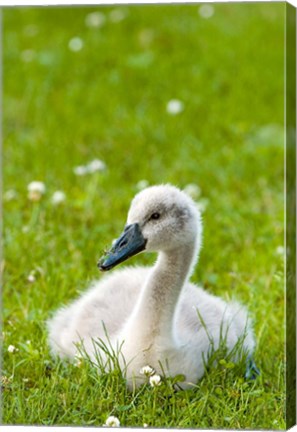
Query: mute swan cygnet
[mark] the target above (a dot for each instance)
(155, 314)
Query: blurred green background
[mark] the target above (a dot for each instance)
(85, 83)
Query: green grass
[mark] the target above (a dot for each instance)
(108, 101)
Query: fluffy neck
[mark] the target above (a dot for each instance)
(157, 303)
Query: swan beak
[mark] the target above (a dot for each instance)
(130, 243)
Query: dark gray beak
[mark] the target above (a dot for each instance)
(130, 243)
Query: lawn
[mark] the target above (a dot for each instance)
(82, 84)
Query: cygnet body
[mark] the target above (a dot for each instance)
(153, 316)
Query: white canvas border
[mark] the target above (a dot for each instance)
(20, 3)
(98, 2)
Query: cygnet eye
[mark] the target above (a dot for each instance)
(155, 216)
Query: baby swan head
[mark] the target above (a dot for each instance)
(161, 218)
(167, 217)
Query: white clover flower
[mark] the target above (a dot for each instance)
(95, 19)
(95, 165)
(174, 107)
(280, 250)
(90, 168)
(36, 186)
(147, 371)
(78, 360)
(206, 11)
(31, 278)
(5, 380)
(202, 205)
(112, 421)
(58, 197)
(10, 195)
(117, 15)
(12, 349)
(35, 190)
(146, 37)
(155, 380)
(75, 44)
(80, 170)
(77, 363)
(142, 184)
(28, 55)
(192, 190)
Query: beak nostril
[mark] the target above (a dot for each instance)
(123, 243)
